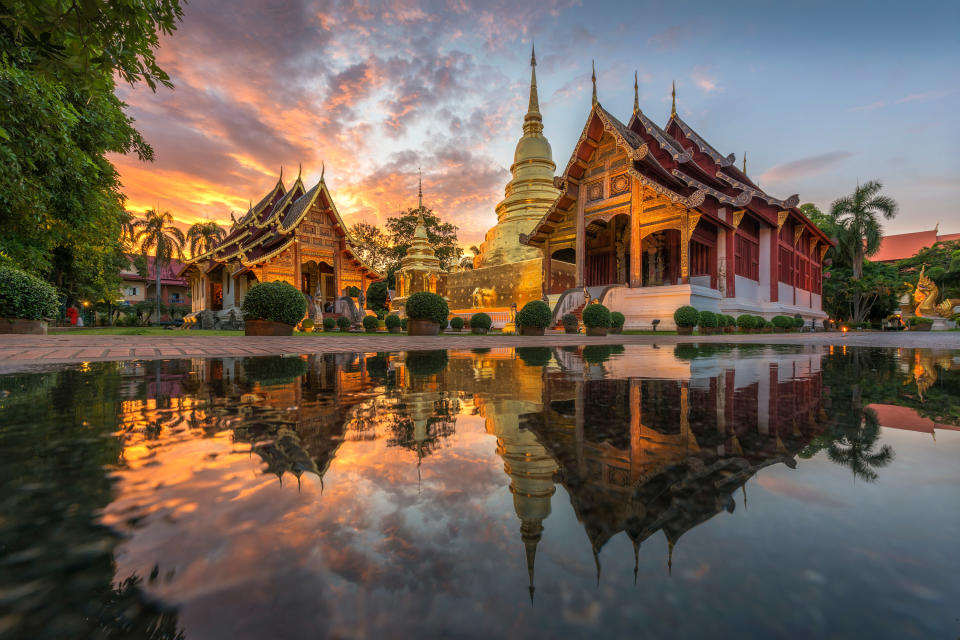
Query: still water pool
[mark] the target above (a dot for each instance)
(723, 492)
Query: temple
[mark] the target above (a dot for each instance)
(294, 235)
(656, 218)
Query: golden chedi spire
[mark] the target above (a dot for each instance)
(529, 193)
(420, 254)
(673, 101)
(636, 94)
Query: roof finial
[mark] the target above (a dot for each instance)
(593, 76)
(533, 122)
(419, 189)
(323, 170)
(673, 105)
(636, 94)
(670, 557)
(300, 171)
(281, 173)
(744, 163)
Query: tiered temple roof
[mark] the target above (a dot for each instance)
(676, 162)
(268, 227)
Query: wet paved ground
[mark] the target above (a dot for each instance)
(19, 352)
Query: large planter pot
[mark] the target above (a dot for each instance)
(479, 331)
(573, 330)
(422, 328)
(916, 327)
(684, 331)
(267, 328)
(707, 331)
(616, 329)
(531, 331)
(395, 329)
(21, 325)
(596, 331)
(729, 329)
(381, 325)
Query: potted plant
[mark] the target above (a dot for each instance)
(798, 322)
(272, 309)
(343, 323)
(617, 320)
(329, 324)
(370, 324)
(480, 323)
(745, 323)
(570, 323)
(534, 318)
(427, 313)
(26, 302)
(782, 323)
(596, 319)
(456, 323)
(686, 319)
(707, 321)
(306, 325)
(765, 325)
(392, 322)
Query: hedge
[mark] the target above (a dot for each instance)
(343, 322)
(370, 324)
(456, 323)
(329, 324)
(424, 305)
(535, 313)
(392, 321)
(24, 295)
(377, 296)
(617, 319)
(686, 316)
(275, 301)
(480, 321)
(782, 322)
(746, 321)
(570, 321)
(798, 322)
(596, 315)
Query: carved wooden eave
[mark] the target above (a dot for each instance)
(741, 200)
(738, 217)
(797, 234)
(781, 219)
(823, 251)
(702, 145)
(281, 206)
(789, 203)
(665, 140)
(267, 256)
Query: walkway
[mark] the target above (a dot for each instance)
(19, 352)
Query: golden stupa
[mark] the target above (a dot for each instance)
(529, 193)
(420, 268)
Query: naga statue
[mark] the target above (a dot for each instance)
(925, 295)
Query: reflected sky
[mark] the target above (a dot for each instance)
(738, 491)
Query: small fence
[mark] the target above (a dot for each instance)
(499, 316)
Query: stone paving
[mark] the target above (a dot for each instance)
(20, 352)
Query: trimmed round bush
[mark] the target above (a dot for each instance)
(598, 353)
(427, 363)
(723, 321)
(761, 322)
(731, 321)
(403, 323)
(392, 321)
(343, 322)
(746, 321)
(456, 323)
(686, 316)
(708, 319)
(596, 315)
(570, 321)
(480, 321)
(275, 301)
(370, 324)
(329, 324)
(782, 322)
(424, 305)
(617, 319)
(798, 322)
(24, 295)
(274, 371)
(535, 313)
(377, 296)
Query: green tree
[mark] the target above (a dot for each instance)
(204, 236)
(156, 233)
(373, 247)
(442, 236)
(858, 218)
(942, 262)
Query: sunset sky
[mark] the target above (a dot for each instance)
(819, 95)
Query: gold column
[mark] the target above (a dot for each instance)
(636, 238)
(581, 235)
(685, 246)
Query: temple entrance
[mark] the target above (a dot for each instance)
(661, 258)
(317, 282)
(608, 252)
(216, 289)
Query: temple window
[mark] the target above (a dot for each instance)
(700, 259)
(747, 250)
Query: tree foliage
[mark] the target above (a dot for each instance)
(372, 245)
(204, 236)
(857, 217)
(873, 296)
(156, 234)
(61, 207)
(942, 262)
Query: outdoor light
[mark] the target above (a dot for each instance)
(655, 322)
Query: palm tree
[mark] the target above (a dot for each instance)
(156, 233)
(204, 236)
(858, 216)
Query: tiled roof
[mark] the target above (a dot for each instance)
(907, 245)
(168, 276)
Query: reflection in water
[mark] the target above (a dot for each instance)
(396, 520)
